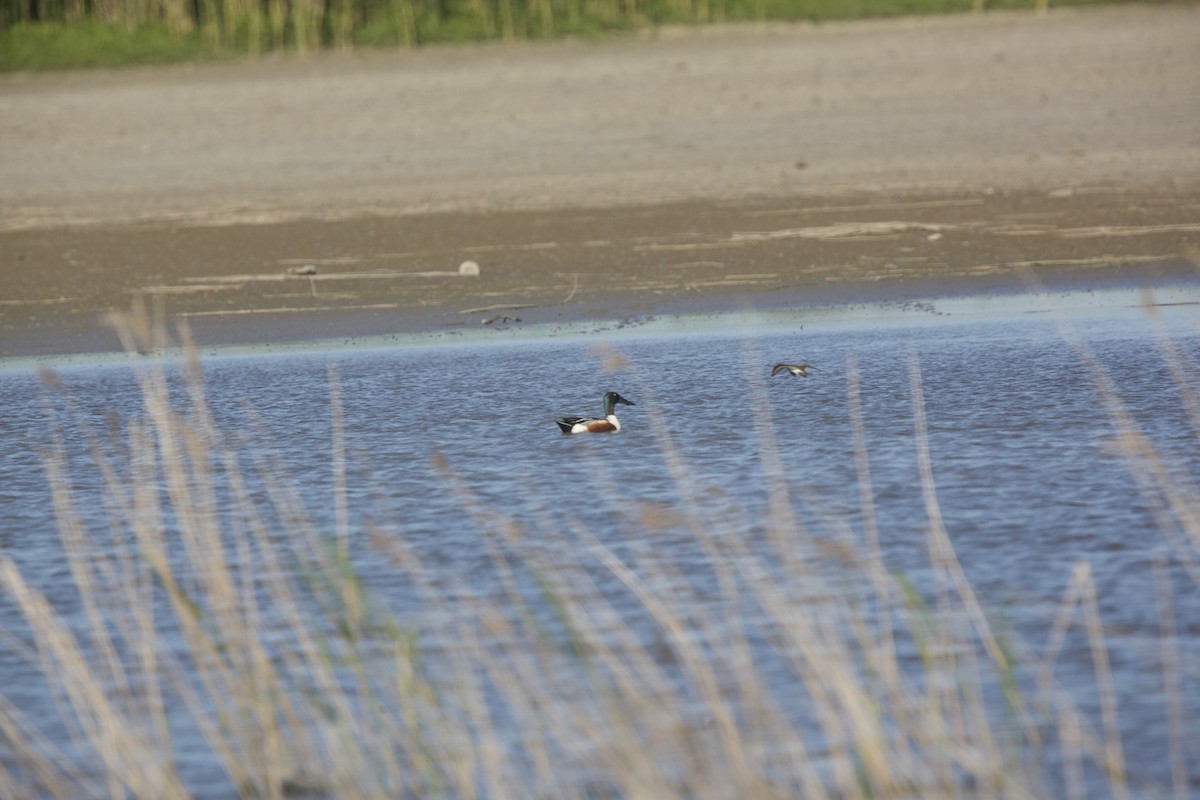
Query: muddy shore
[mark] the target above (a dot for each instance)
(693, 170)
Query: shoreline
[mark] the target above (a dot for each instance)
(1109, 299)
(378, 276)
(704, 170)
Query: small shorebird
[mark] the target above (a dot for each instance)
(799, 370)
(608, 424)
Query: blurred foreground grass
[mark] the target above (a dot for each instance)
(61, 34)
(801, 666)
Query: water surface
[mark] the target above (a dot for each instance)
(1029, 477)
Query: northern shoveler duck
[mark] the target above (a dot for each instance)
(800, 370)
(609, 424)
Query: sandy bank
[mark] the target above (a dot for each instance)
(599, 179)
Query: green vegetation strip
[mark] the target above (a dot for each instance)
(65, 34)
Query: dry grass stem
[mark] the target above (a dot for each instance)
(214, 606)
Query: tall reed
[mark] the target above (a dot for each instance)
(214, 603)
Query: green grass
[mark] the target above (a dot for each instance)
(75, 34)
(55, 45)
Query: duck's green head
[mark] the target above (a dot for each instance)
(610, 401)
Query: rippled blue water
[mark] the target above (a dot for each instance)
(1028, 476)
